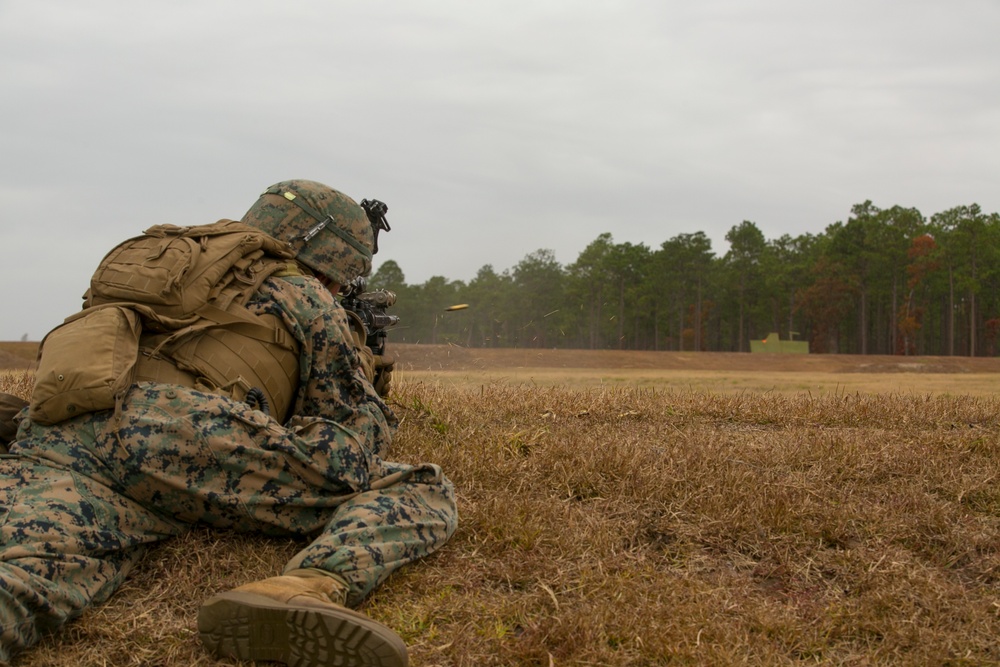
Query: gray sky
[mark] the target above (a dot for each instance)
(491, 129)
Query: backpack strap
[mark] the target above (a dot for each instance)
(236, 319)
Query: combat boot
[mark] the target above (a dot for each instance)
(298, 619)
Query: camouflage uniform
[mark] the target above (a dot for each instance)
(81, 499)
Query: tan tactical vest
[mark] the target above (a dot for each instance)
(169, 306)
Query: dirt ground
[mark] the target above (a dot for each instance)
(12, 362)
(717, 372)
(454, 358)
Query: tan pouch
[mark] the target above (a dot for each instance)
(85, 364)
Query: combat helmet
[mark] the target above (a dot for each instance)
(329, 231)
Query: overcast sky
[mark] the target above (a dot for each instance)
(491, 129)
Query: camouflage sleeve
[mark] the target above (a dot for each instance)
(332, 384)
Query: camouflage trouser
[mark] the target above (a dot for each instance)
(80, 500)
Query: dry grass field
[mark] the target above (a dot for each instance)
(655, 509)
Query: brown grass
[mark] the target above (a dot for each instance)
(627, 525)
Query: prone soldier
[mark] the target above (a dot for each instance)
(246, 403)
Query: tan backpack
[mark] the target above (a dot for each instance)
(169, 305)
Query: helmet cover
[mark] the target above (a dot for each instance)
(330, 232)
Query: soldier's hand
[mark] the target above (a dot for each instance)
(384, 364)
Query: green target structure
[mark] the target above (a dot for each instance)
(774, 345)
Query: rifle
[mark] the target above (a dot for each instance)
(370, 309)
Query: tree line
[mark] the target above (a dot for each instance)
(886, 281)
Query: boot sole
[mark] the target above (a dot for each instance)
(248, 626)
